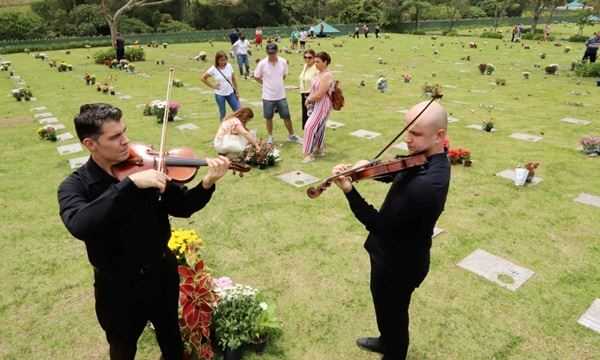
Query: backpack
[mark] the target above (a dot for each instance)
(337, 97)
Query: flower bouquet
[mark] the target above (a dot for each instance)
(62, 67)
(242, 317)
(460, 156)
(47, 133)
(177, 83)
(530, 166)
(431, 90)
(591, 145)
(157, 108)
(265, 157)
(185, 245)
(406, 77)
(551, 69)
(501, 82)
(22, 94)
(488, 126)
(90, 79)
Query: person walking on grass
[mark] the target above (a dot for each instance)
(303, 38)
(591, 48)
(125, 227)
(225, 84)
(309, 71)
(270, 73)
(258, 37)
(240, 49)
(319, 104)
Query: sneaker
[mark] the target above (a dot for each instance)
(295, 138)
(370, 344)
(270, 140)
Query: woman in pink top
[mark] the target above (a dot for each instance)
(319, 104)
(233, 135)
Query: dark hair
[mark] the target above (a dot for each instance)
(218, 55)
(324, 57)
(88, 124)
(310, 51)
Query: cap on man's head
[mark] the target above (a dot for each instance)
(271, 48)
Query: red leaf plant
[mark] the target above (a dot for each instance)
(197, 301)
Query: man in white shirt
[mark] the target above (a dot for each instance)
(240, 49)
(271, 72)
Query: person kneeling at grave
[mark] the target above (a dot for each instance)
(233, 135)
(125, 227)
(400, 232)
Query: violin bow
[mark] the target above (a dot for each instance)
(163, 134)
(434, 97)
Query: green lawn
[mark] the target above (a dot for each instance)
(307, 254)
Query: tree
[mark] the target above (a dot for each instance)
(497, 8)
(552, 5)
(112, 11)
(538, 7)
(418, 6)
(456, 9)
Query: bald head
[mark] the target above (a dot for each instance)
(428, 133)
(434, 118)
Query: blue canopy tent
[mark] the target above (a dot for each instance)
(327, 29)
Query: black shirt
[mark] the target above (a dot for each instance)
(120, 43)
(123, 227)
(400, 232)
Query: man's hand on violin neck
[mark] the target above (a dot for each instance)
(150, 179)
(217, 168)
(343, 182)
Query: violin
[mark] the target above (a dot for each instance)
(179, 164)
(373, 170)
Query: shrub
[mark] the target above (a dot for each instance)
(174, 26)
(450, 33)
(131, 54)
(587, 69)
(491, 35)
(21, 26)
(418, 32)
(536, 36)
(577, 38)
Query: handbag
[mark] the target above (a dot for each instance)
(231, 144)
(229, 82)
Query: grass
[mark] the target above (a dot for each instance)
(307, 254)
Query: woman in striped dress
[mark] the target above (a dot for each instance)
(319, 105)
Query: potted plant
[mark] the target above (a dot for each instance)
(47, 133)
(591, 145)
(242, 317)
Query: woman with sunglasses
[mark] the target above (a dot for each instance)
(309, 71)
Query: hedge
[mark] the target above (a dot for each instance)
(131, 54)
(588, 69)
(491, 35)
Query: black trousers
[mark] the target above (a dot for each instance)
(591, 55)
(120, 54)
(391, 300)
(303, 97)
(125, 304)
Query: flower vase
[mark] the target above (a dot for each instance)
(232, 354)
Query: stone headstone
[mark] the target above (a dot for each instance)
(575, 121)
(140, 106)
(448, 86)
(78, 162)
(588, 199)
(510, 175)
(333, 124)
(65, 136)
(452, 119)
(56, 126)
(402, 111)
(478, 91)
(50, 120)
(401, 145)
(366, 134)
(69, 149)
(39, 108)
(297, 178)
(188, 126)
(526, 137)
(43, 115)
(496, 269)
(591, 318)
(437, 231)
(460, 102)
(125, 97)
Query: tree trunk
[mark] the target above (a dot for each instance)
(114, 29)
(416, 18)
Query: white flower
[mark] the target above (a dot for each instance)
(263, 305)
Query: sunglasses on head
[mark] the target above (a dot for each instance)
(308, 57)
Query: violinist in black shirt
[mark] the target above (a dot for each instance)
(400, 232)
(125, 228)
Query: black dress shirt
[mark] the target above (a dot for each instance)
(400, 232)
(123, 227)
